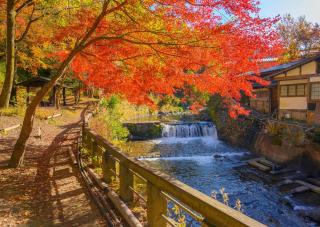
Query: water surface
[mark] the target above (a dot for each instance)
(206, 164)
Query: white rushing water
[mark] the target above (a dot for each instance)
(186, 130)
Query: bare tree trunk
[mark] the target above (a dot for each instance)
(10, 52)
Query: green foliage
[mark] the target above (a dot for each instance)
(170, 104)
(316, 136)
(108, 120)
(117, 131)
(23, 75)
(151, 131)
(215, 107)
(110, 103)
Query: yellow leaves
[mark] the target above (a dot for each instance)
(37, 52)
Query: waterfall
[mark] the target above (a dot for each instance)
(183, 130)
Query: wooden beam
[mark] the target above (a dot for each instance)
(10, 128)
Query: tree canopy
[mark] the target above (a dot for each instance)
(136, 48)
(300, 37)
(143, 47)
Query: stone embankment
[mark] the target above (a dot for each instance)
(279, 142)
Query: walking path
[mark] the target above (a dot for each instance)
(48, 190)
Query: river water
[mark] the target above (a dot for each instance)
(193, 154)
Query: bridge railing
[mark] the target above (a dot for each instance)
(161, 189)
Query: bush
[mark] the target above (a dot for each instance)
(273, 128)
(12, 111)
(316, 136)
(108, 120)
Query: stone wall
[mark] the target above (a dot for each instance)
(294, 149)
(282, 144)
(144, 130)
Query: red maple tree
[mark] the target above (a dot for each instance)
(159, 46)
(135, 48)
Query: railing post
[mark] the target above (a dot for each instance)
(126, 181)
(84, 139)
(108, 164)
(94, 153)
(156, 207)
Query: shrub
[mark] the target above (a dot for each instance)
(108, 120)
(316, 136)
(273, 128)
(43, 113)
(13, 111)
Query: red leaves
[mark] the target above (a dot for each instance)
(160, 46)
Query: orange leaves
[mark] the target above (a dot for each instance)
(160, 46)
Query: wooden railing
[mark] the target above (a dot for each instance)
(162, 189)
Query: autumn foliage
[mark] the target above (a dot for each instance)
(150, 46)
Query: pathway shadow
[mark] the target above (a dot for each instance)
(60, 197)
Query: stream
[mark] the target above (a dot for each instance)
(192, 153)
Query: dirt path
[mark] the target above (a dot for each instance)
(48, 191)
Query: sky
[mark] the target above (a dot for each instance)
(310, 8)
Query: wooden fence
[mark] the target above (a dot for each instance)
(161, 189)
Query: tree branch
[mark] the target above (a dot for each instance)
(23, 5)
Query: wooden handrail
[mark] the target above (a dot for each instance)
(214, 212)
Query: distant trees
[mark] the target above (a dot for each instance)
(301, 37)
(22, 44)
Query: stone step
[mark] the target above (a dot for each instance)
(315, 181)
(259, 166)
(312, 187)
(282, 171)
(299, 189)
(266, 162)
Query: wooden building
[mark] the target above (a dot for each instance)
(294, 91)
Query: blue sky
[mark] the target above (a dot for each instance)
(310, 8)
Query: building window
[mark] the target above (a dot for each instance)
(301, 90)
(284, 90)
(315, 91)
(294, 90)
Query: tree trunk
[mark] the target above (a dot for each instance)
(64, 96)
(19, 148)
(10, 58)
(17, 156)
(58, 96)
